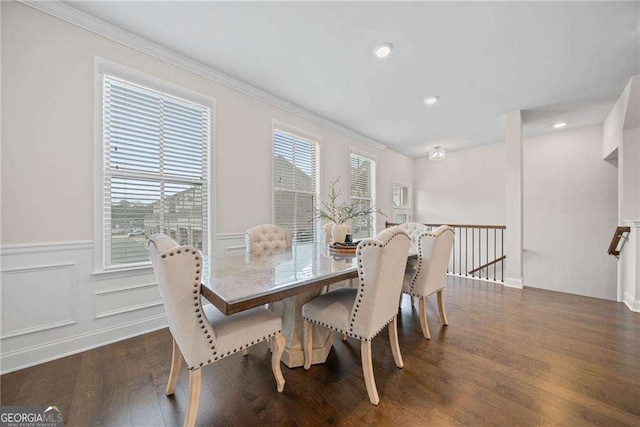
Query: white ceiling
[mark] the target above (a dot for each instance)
(555, 61)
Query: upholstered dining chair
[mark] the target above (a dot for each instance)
(430, 273)
(413, 229)
(264, 238)
(202, 334)
(364, 311)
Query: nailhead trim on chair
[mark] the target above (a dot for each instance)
(362, 285)
(242, 347)
(197, 303)
(360, 294)
(421, 258)
(198, 307)
(351, 334)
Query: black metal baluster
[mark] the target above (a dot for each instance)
(502, 254)
(494, 254)
(466, 251)
(487, 234)
(453, 264)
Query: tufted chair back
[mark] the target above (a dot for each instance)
(381, 265)
(434, 250)
(413, 229)
(177, 270)
(267, 238)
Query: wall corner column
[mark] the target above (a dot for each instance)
(514, 197)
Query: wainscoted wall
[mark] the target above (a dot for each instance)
(52, 304)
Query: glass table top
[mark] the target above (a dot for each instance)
(243, 276)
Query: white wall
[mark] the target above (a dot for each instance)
(570, 205)
(468, 187)
(48, 190)
(570, 213)
(629, 175)
(613, 125)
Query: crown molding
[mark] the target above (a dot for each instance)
(91, 23)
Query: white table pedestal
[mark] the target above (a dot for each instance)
(292, 329)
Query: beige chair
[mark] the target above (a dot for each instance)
(263, 239)
(364, 311)
(202, 334)
(413, 229)
(430, 273)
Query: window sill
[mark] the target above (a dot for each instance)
(123, 272)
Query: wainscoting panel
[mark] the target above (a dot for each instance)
(38, 298)
(53, 304)
(123, 300)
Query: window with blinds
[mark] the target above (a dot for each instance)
(156, 167)
(362, 174)
(295, 186)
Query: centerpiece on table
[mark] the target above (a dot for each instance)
(340, 214)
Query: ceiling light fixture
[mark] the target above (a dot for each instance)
(431, 100)
(437, 153)
(382, 50)
(559, 125)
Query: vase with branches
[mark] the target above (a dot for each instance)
(339, 213)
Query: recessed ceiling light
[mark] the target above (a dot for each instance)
(559, 125)
(382, 50)
(431, 100)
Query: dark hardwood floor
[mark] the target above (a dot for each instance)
(509, 357)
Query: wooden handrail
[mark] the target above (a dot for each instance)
(617, 235)
(488, 264)
(497, 227)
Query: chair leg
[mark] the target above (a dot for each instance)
(176, 363)
(393, 340)
(307, 338)
(195, 378)
(423, 318)
(367, 370)
(443, 315)
(275, 360)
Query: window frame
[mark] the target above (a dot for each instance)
(101, 67)
(306, 135)
(404, 209)
(374, 185)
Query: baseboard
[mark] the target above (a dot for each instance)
(481, 279)
(632, 304)
(512, 282)
(41, 353)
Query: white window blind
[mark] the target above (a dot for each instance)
(156, 161)
(362, 174)
(295, 172)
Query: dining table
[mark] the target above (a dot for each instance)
(284, 279)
